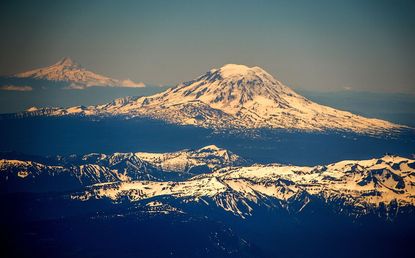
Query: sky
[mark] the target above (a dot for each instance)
(310, 45)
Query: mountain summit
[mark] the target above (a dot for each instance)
(66, 70)
(234, 89)
(67, 62)
(234, 96)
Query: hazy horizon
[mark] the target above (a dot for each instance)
(319, 46)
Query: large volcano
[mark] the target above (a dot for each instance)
(234, 96)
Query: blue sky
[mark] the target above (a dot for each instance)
(312, 45)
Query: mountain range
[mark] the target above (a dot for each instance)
(74, 171)
(233, 96)
(76, 76)
(215, 176)
(355, 187)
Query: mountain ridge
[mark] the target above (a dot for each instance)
(216, 177)
(93, 168)
(357, 186)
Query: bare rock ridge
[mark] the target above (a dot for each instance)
(234, 96)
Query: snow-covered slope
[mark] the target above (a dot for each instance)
(67, 70)
(76, 171)
(362, 185)
(234, 96)
(203, 160)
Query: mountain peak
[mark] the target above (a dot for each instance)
(67, 70)
(230, 70)
(210, 147)
(232, 88)
(67, 62)
(234, 69)
(236, 72)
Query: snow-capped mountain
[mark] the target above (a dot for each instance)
(78, 77)
(102, 168)
(359, 186)
(234, 96)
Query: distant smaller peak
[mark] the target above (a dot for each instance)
(210, 147)
(389, 155)
(393, 158)
(67, 61)
(31, 109)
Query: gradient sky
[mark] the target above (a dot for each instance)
(313, 45)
